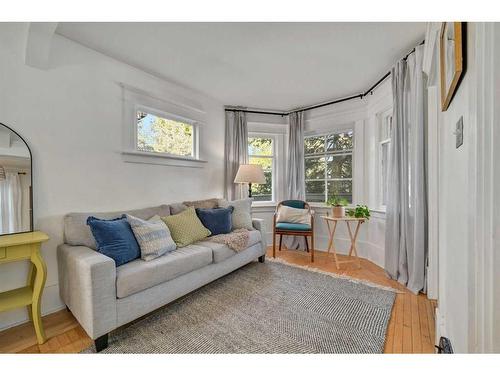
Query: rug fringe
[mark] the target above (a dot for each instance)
(335, 275)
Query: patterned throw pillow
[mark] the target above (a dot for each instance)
(242, 216)
(186, 228)
(153, 237)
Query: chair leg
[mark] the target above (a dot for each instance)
(274, 244)
(281, 240)
(312, 248)
(307, 244)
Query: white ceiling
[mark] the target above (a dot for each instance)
(266, 65)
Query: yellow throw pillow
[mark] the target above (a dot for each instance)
(186, 228)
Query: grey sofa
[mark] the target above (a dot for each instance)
(103, 297)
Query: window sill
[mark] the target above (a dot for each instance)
(133, 156)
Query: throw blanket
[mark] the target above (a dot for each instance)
(236, 240)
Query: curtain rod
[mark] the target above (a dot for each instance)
(360, 96)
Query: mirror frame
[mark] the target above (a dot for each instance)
(459, 68)
(31, 183)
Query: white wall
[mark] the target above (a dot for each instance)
(71, 116)
(362, 116)
(467, 191)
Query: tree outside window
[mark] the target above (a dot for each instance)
(261, 152)
(328, 166)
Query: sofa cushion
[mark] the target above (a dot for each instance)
(186, 228)
(115, 239)
(204, 203)
(77, 232)
(216, 220)
(221, 252)
(139, 275)
(293, 226)
(242, 215)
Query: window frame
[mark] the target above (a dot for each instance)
(167, 116)
(382, 116)
(274, 165)
(326, 154)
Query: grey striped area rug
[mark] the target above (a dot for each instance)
(265, 308)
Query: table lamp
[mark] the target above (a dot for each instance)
(250, 174)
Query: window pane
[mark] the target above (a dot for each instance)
(158, 134)
(266, 163)
(315, 168)
(340, 189)
(260, 146)
(315, 191)
(314, 145)
(263, 192)
(339, 141)
(339, 166)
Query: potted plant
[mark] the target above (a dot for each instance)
(360, 211)
(338, 206)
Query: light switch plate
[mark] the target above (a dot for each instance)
(459, 133)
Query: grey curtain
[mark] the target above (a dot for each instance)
(295, 186)
(235, 153)
(406, 216)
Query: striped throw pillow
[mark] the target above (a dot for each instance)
(153, 237)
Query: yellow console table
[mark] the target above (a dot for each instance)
(26, 246)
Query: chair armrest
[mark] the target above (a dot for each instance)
(87, 282)
(259, 225)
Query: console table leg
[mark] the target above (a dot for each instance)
(39, 283)
(31, 284)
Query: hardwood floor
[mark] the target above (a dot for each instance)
(411, 328)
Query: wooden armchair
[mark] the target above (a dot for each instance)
(294, 229)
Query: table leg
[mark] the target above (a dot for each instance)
(353, 249)
(332, 245)
(31, 283)
(39, 283)
(332, 233)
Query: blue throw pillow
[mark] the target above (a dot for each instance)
(216, 220)
(115, 239)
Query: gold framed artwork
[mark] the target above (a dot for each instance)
(452, 59)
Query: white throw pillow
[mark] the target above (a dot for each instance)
(241, 216)
(293, 215)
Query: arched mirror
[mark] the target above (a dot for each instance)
(16, 210)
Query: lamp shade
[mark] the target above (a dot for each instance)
(250, 173)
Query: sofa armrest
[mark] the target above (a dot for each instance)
(87, 282)
(259, 225)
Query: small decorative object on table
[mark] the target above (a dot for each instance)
(22, 246)
(338, 206)
(360, 211)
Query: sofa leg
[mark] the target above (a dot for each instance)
(262, 258)
(101, 343)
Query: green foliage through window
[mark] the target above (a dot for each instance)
(162, 135)
(261, 151)
(328, 166)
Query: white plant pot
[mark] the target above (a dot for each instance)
(338, 211)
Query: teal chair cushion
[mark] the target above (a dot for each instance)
(294, 203)
(293, 226)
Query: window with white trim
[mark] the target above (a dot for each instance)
(328, 166)
(165, 134)
(385, 129)
(261, 150)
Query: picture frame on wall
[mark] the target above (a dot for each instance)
(452, 59)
